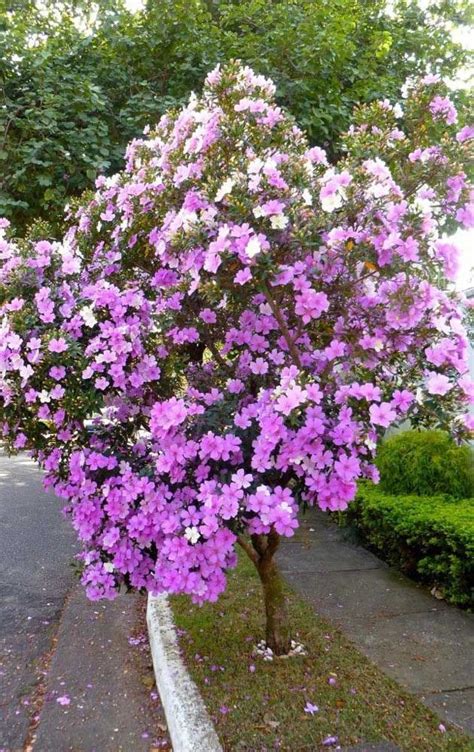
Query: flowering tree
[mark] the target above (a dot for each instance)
(228, 328)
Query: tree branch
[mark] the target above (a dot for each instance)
(282, 324)
(217, 356)
(249, 549)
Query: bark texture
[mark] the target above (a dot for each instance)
(277, 627)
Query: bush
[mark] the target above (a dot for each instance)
(430, 538)
(426, 463)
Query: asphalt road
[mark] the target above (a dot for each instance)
(37, 545)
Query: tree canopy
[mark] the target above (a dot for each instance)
(80, 79)
(230, 324)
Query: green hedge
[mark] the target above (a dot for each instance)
(430, 538)
(427, 463)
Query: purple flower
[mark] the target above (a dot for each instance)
(57, 345)
(438, 384)
(442, 107)
(242, 277)
(329, 741)
(310, 708)
(382, 415)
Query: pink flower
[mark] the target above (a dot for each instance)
(402, 399)
(465, 134)
(58, 345)
(242, 277)
(293, 397)
(208, 316)
(168, 414)
(235, 386)
(438, 384)
(311, 304)
(442, 107)
(382, 415)
(64, 700)
(259, 366)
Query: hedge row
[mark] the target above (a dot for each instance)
(430, 538)
(426, 463)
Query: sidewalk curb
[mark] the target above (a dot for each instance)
(189, 725)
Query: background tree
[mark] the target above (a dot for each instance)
(80, 79)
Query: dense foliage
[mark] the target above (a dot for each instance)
(430, 538)
(229, 326)
(426, 463)
(80, 79)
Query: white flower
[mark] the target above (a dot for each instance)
(334, 201)
(108, 566)
(88, 317)
(254, 166)
(377, 190)
(397, 110)
(192, 534)
(263, 490)
(253, 247)
(419, 396)
(258, 212)
(279, 221)
(225, 188)
(307, 197)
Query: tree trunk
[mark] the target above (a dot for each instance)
(277, 627)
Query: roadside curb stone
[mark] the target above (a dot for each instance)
(189, 725)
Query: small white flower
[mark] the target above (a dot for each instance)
(254, 166)
(253, 247)
(279, 221)
(108, 566)
(419, 396)
(397, 110)
(225, 188)
(334, 201)
(307, 197)
(192, 534)
(88, 317)
(258, 212)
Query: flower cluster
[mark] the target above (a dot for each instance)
(231, 324)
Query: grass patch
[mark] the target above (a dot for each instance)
(264, 709)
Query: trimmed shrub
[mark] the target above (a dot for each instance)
(426, 463)
(429, 538)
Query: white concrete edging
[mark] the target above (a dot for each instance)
(189, 725)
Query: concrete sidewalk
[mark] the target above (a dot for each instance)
(99, 693)
(426, 645)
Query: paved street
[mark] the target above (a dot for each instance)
(92, 659)
(36, 546)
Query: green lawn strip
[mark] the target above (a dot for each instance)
(264, 709)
